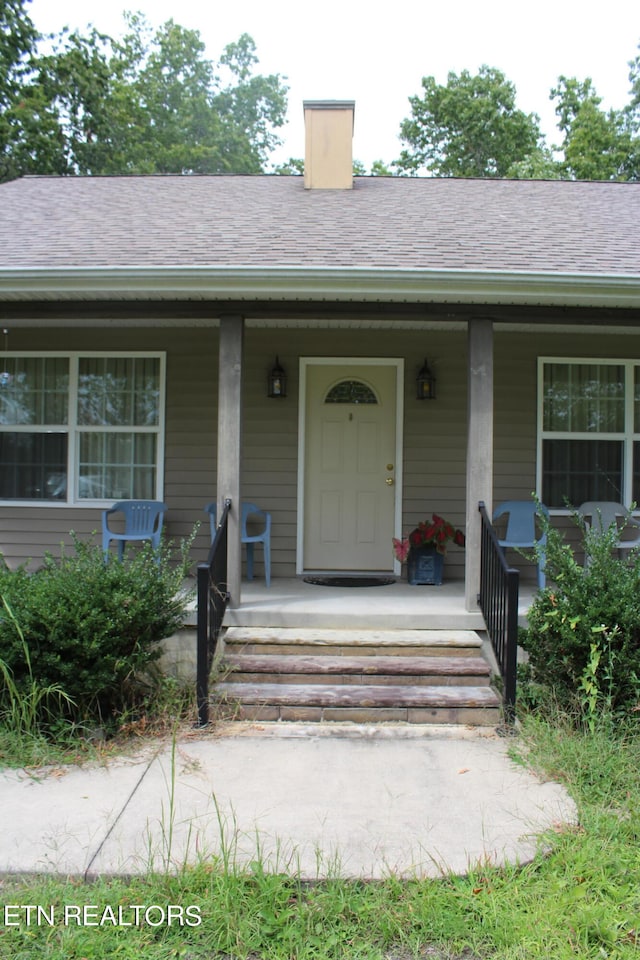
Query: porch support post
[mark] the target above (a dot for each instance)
(479, 446)
(229, 442)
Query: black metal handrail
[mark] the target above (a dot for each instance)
(213, 598)
(498, 601)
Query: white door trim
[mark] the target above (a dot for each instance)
(305, 363)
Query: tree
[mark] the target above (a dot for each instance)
(469, 127)
(29, 136)
(17, 41)
(76, 81)
(152, 102)
(293, 167)
(598, 144)
(149, 102)
(251, 105)
(541, 164)
(632, 117)
(162, 116)
(633, 108)
(380, 169)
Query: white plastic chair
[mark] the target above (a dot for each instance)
(599, 515)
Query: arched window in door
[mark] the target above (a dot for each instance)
(351, 391)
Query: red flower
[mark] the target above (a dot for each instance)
(436, 533)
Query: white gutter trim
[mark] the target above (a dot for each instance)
(358, 284)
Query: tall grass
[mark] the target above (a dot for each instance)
(29, 709)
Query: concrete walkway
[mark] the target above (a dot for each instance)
(320, 800)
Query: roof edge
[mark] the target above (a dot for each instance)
(363, 284)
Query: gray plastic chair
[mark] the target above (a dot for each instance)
(142, 521)
(599, 515)
(264, 537)
(521, 529)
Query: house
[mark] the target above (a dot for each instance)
(142, 318)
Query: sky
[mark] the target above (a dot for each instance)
(377, 54)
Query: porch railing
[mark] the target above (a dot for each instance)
(213, 598)
(498, 601)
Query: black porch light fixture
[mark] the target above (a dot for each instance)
(425, 383)
(277, 383)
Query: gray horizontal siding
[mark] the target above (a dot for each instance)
(434, 431)
(28, 532)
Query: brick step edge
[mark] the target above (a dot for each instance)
(304, 664)
(363, 696)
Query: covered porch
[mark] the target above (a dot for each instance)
(461, 475)
(304, 615)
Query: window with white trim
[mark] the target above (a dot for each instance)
(81, 427)
(588, 431)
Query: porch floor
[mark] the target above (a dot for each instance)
(290, 602)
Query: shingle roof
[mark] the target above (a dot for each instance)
(270, 221)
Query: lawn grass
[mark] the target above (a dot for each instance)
(581, 899)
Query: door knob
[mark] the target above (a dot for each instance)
(389, 481)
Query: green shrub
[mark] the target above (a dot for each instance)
(583, 635)
(91, 628)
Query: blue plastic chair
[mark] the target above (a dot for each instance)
(521, 529)
(142, 521)
(249, 510)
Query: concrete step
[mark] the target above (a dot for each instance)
(359, 703)
(327, 668)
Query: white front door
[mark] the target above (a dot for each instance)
(351, 477)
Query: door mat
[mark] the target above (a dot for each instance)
(350, 581)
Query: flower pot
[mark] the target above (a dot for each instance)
(425, 566)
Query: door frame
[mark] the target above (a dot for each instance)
(305, 363)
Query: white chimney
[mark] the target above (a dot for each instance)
(328, 158)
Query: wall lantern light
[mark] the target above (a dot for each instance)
(277, 382)
(425, 383)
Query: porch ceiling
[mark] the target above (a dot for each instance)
(325, 314)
